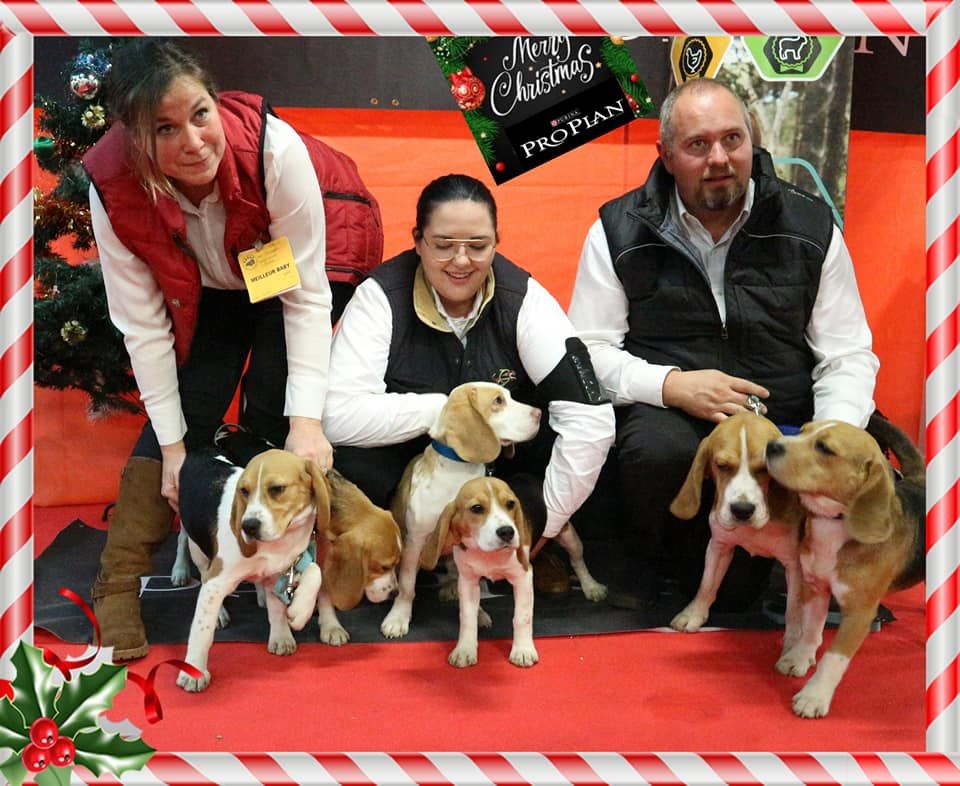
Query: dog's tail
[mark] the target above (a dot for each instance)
(891, 438)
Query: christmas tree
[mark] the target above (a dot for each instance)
(75, 344)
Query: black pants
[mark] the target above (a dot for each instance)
(654, 450)
(229, 329)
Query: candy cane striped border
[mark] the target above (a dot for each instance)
(940, 21)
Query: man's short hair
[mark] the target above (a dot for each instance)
(694, 86)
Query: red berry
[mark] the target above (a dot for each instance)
(634, 78)
(35, 759)
(44, 732)
(500, 166)
(63, 752)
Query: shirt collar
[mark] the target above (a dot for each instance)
(430, 311)
(188, 207)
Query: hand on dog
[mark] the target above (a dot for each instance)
(709, 394)
(307, 440)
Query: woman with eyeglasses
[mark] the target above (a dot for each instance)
(452, 310)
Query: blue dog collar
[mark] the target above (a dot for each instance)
(283, 587)
(446, 451)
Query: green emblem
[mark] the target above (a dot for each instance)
(797, 57)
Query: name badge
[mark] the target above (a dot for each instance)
(269, 270)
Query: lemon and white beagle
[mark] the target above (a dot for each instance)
(863, 537)
(359, 556)
(749, 510)
(251, 524)
(476, 421)
(485, 528)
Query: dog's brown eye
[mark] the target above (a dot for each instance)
(498, 401)
(723, 466)
(276, 491)
(510, 505)
(244, 493)
(822, 447)
(476, 509)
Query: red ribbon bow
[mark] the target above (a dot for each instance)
(151, 702)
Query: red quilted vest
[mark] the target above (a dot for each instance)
(157, 233)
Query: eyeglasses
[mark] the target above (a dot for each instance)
(444, 249)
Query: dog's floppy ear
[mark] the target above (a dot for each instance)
(321, 495)
(345, 571)
(440, 540)
(520, 521)
(236, 518)
(473, 438)
(687, 502)
(868, 516)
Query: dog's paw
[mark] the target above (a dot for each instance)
(299, 614)
(690, 620)
(192, 685)
(811, 702)
(524, 657)
(796, 662)
(223, 618)
(448, 592)
(594, 590)
(283, 644)
(334, 635)
(461, 657)
(483, 619)
(180, 575)
(395, 625)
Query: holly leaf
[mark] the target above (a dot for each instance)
(33, 690)
(87, 695)
(13, 731)
(101, 753)
(53, 776)
(13, 770)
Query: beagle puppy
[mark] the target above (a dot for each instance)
(863, 537)
(749, 510)
(359, 556)
(251, 524)
(475, 422)
(485, 528)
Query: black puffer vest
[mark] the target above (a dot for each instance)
(426, 360)
(771, 280)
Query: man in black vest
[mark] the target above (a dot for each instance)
(713, 282)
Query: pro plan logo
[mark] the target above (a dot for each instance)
(799, 57)
(696, 57)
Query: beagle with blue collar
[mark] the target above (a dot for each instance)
(863, 537)
(749, 510)
(485, 528)
(251, 524)
(475, 422)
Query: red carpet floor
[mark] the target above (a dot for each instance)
(714, 691)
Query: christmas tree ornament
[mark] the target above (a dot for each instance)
(73, 332)
(616, 40)
(501, 167)
(92, 62)
(467, 89)
(85, 85)
(44, 148)
(94, 117)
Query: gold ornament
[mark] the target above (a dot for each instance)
(616, 40)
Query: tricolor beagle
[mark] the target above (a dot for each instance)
(749, 510)
(863, 537)
(477, 419)
(251, 524)
(359, 556)
(486, 529)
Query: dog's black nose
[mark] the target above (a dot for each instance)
(742, 510)
(775, 448)
(251, 526)
(505, 533)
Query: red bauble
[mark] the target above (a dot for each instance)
(467, 89)
(35, 759)
(634, 78)
(44, 732)
(63, 752)
(500, 167)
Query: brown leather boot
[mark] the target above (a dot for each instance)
(140, 522)
(550, 573)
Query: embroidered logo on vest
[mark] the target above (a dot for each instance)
(505, 377)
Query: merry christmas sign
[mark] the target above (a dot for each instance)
(528, 99)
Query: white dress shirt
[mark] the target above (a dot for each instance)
(360, 412)
(137, 307)
(844, 374)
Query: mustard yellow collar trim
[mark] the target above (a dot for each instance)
(425, 305)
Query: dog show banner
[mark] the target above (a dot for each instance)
(528, 100)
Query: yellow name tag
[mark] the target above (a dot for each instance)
(269, 270)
